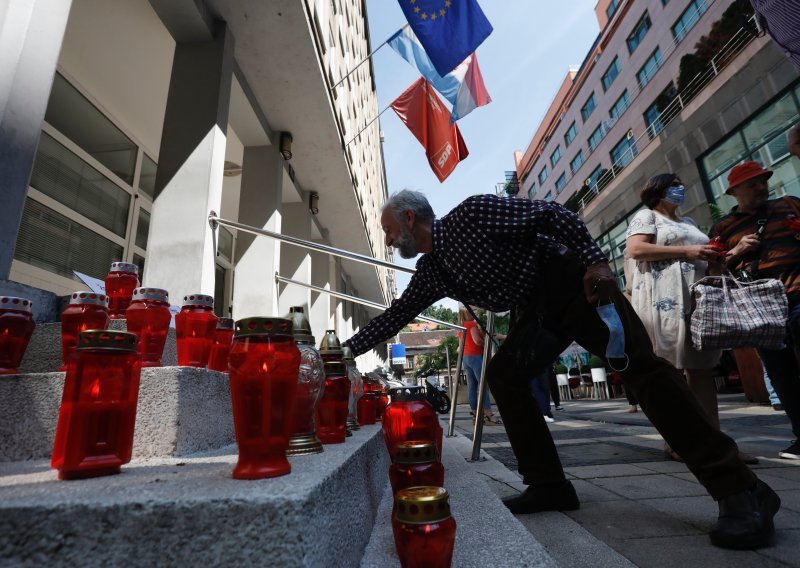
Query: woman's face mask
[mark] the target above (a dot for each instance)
(676, 194)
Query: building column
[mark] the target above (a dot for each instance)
(320, 311)
(295, 261)
(180, 254)
(31, 33)
(258, 258)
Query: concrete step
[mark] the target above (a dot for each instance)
(181, 410)
(189, 511)
(487, 534)
(43, 354)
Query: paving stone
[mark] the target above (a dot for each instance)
(613, 470)
(588, 492)
(624, 519)
(784, 547)
(651, 486)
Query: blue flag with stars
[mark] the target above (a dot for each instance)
(449, 30)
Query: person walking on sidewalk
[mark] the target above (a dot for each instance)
(472, 360)
(538, 259)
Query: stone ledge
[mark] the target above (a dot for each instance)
(487, 534)
(190, 511)
(181, 410)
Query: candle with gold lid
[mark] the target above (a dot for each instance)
(424, 530)
(416, 462)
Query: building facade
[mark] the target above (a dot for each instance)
(633, 110)
(126, 122)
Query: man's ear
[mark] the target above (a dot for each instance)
(408, 217)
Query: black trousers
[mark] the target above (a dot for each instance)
(659, 387)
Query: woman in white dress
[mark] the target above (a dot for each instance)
(671, 253)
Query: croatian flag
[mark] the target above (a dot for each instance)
(463, 86)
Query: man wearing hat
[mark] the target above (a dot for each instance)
(762, 245)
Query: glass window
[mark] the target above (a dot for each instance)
(648, 70)
(139, 261)
(555, 156)
(543, 175)
(592, 179)
(596, 137)
(612, 7)
(53, 242)
(572, 132)
(771, 122)
(725, 156)
(561, 182)
(638, 33)
(142, 229)
(549, 196)
(147, 177)
(532, 192)
(690, 16)
(80, 121)
(652, 117)
(620, 106)
(588, 107)
(60, 174)
(576, 162)
(611, 74)
(623, 153)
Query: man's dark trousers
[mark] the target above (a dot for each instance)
(659, 387)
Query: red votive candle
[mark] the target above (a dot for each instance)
(310, 385)
(416, 463)
(121, 281)
(356, 387)
(332, 407)
(16, 328)
(410, 417)
(195, 325)
(366, 408)
(85, 311)
(94, 435)
(424, 530)
(148, 317)
(221, 347)
(263, 366)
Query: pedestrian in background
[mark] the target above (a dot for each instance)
(472, 361)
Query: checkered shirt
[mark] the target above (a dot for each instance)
(487, 252)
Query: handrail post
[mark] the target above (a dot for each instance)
(487, 353)
(454, 385)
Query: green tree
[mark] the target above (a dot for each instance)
(441, 313)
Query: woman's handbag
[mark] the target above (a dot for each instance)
(729, 313)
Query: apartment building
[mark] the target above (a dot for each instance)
(629, 112)
(151, 114)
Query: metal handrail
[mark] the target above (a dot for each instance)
(477, 433)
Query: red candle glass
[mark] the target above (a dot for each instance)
(86, 311)
(148, 317)
(310, 386)
(332, 407)
(121, 281)
(424, 530)
(263, 366)
(16, 328)
(356, 387)
(195, 326)
(366, 408)
(416, 463)
(410, 417)
(221, 347)
(94, 435)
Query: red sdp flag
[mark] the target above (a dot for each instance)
(422, 111)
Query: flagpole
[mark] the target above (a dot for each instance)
(373, 52)
(367, 126)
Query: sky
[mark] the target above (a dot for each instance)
(523, 63)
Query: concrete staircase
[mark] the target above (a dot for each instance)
(176, 504)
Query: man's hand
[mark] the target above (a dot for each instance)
(747, 243)
(794, 141)
(598, 282)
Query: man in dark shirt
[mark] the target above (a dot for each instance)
(539, 260)
(760, 241)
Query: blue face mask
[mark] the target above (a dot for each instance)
(676, 194)
(616, 333)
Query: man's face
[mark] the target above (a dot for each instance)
(752, 193)
(398, 233)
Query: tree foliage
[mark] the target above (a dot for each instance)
(441, 313)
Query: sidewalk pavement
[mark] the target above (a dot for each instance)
(637, 508)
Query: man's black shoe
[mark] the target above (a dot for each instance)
(745, 519)
(538, 498)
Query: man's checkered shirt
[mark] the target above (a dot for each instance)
(486, 252)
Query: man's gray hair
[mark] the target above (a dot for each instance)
(409, 200)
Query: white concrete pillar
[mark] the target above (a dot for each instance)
(320, 311)
(295, 261)
(258, 258)
(180, 254)
(31, 33)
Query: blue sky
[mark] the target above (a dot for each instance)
(523, 63)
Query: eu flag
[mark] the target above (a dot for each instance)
(449, 30)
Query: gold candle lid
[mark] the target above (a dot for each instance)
(415, 451)
(262, 326)
(108, 340)
(421, 505)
